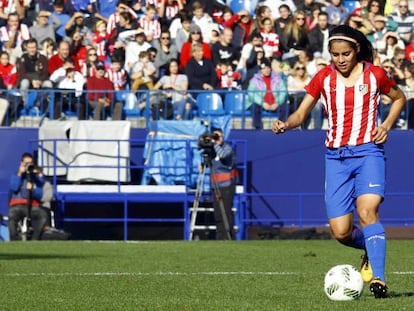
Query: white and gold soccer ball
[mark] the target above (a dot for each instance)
(343, 282)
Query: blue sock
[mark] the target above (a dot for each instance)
(356, 240)
(376, 244)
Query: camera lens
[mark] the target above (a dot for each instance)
(30, 168)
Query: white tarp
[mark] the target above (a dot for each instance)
(53, 137)
(96, 150)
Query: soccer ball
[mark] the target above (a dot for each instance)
(343, 282)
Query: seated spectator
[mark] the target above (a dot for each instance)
(101, 95)
(113, 20)
(266, 91)
(168, 10)
(200, 71)
(120, 80)
(88, 68)
(181, 34)
(201, 18)
(166, 51)
(404, 17)
(76, 24)
(16, 8)
(25, 196)
(253, 64)
(143, 73)
(32, 70)
(134, 42)
(63, 52)
(149, 22)
(175, 86)
(227, 78)
(100, 41)
(388, 44)
(255, 39)
(8, 71)
(224, 50)
(62, 10)
(296, 83)
(337, 12)
(271, 41)
(43, 29)
(78, 50)
(195, 37)
(69, 84)
(13, 35)
(48, 48)
(295, 37)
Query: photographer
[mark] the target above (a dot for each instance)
(25, 196)
(223, 177)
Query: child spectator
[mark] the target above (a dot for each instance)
(8, 71)
(227, 77)
(100, 40)
(143, 72)
(150, 23)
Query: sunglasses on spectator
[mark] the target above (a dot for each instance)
(92, 54)
(300, 68)
(165, 38)
(403, 6)
(300, 18)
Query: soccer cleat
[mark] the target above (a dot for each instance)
(366, 269)
(378, 289)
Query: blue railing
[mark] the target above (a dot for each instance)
(142, 106)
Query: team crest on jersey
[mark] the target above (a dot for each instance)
(363, 89)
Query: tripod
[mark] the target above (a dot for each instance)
(216, 191)
(26, 228)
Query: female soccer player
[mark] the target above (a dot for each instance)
(354, 161)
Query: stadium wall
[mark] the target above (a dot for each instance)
(290, 165)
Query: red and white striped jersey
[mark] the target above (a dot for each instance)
(118, 78)
(23, 34)
(150, 26)
(114, 19)
(8, 6)
(271, 43)
(352, 111)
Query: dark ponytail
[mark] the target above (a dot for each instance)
(355, 38)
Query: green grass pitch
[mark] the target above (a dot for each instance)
(197, 275)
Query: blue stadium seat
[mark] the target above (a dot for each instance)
(29, 108)
(210, 104)
(234, 104)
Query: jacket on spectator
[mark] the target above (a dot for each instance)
(32, 68)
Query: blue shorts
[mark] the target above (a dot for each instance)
(352, 171)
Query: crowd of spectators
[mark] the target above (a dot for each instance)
(180, 46)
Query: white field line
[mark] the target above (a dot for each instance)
(148, 273)
(217, 273)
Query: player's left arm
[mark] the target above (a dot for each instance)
(398, 100)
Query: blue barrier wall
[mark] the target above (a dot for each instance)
(291, 163)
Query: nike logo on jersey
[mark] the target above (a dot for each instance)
(371, 185)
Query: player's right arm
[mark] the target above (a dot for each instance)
(297, 118)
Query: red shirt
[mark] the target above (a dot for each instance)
(55, 62)
(9, 74)
(185, 54)
(352, 111)
(103, 85)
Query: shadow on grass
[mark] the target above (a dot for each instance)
(11, 256)
(399, 295)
